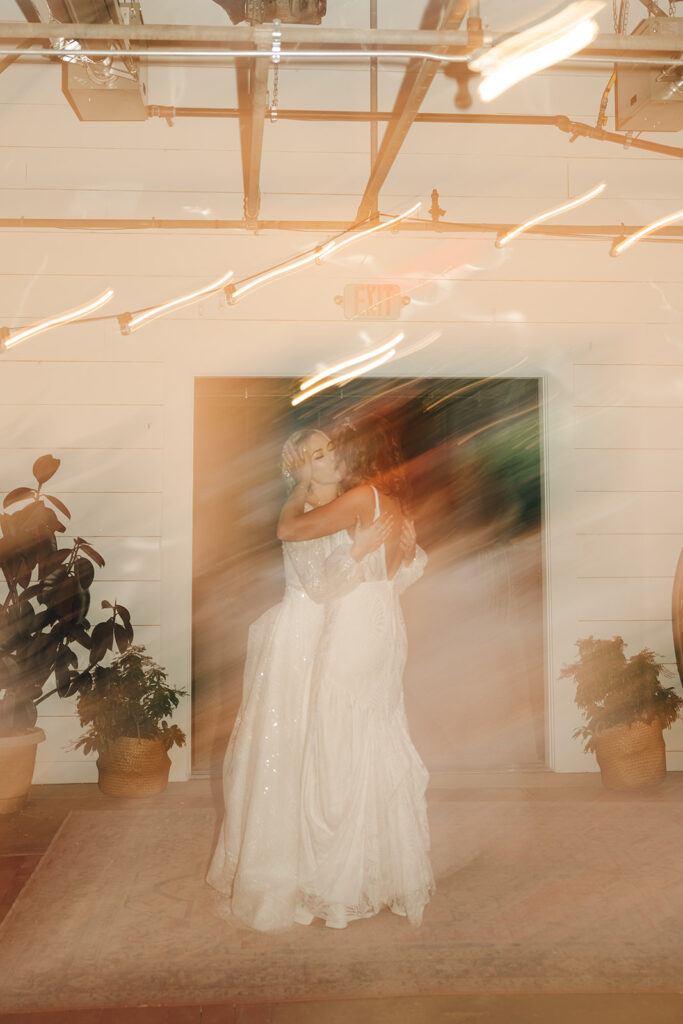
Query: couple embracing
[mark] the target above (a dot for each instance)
(325, 811)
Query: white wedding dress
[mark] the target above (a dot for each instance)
(255, 864)
(365, 836)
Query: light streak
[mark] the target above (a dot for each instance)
(7, 339)
(343, 377)
(504, 239)
(647, 230)
(319, 253)
(538, 47)
(351, 362)
(131, 322)
(332, 246)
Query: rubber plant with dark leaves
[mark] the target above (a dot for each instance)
(44, 616)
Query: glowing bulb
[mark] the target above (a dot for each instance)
(343, 377)
(131, 323)
(352, 362)
(504, 239)
(648, 230)
(536, 48)
(56, 321)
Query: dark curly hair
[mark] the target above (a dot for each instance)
(371, 453)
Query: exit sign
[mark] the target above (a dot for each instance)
(373, 301)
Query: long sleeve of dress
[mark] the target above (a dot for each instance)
(408, 574)
(324, 575)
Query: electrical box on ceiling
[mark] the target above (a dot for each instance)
(650, 99)
(112, 88)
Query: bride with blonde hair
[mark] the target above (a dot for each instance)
(255, 864)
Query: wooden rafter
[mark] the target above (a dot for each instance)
(418, 77)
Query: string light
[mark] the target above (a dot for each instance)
(334, 245)
(130, 322)
(504, 239)
(318, 254)
(618, 247)
(536, 48)
(344, 377)
(7, 340)
(352, 362)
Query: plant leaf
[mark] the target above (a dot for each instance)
(91, 553)
(123, 639)
(85, 572)
(18, 494)
(45, 467)
(59, 504)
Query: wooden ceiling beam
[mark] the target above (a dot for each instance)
(418, 77)
(252, 86)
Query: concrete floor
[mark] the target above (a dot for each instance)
(25, 836)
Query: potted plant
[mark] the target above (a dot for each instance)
(43, 623)
(124, 713)
(626, 708)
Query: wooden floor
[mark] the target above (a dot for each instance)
(25, 836)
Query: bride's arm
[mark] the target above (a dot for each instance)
(340, 514)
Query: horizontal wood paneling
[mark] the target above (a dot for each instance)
(626, 598)
(620, 512)
(629, 470)
(647, 386)
(84, 426)
(58, 383)
(88, 470)
(654, 428)
(628, 556)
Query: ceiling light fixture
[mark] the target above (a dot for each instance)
(131, 321)
(502, 240)
(619, 246)
(539, 47)
(344, 377)
(7, 339)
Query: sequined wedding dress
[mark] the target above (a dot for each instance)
(254, 866)
(365, 836)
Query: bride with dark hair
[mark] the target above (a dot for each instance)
(364, 831)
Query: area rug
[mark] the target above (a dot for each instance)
(533, 896)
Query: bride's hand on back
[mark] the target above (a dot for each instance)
(369, 538)
(298, 465)
(408, 540)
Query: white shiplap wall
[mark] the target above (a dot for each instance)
(603, 334)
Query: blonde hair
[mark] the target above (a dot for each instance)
(296, 440)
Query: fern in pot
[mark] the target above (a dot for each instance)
(626, 708)
(125, 715)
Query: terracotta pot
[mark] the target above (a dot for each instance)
(133, 767)
(17, 761)
(631, 757)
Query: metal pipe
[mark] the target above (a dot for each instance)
(606, 47)
(593, 232)
(575, 128)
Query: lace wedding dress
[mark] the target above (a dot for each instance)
(365, 836)
(254, 866)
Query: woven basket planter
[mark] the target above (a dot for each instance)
(17, 761)
(631, 757)
(133, 767)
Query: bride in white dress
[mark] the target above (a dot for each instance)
(255, 863)
(365, 836)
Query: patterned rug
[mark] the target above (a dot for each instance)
(533, 896)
